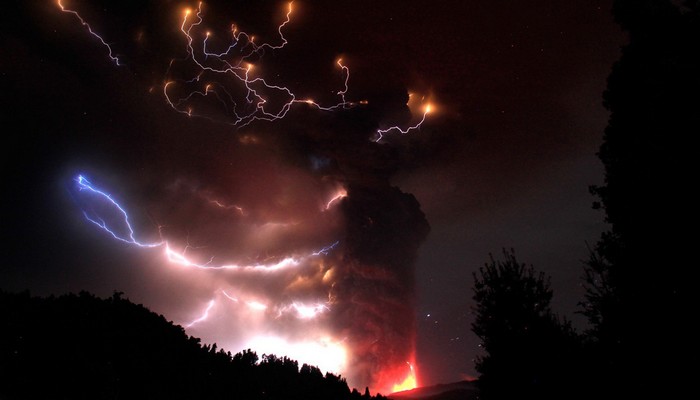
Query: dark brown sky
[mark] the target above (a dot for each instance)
(506, 160)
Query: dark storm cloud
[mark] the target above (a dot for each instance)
(505, 161)
(218, 194)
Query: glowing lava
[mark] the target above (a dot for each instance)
(342, 312)
(408, 383)
(397, 378)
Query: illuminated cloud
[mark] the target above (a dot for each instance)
(296, 244)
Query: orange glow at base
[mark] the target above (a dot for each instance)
(410, 382)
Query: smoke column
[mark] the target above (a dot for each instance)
(305, 246)
(375, 289)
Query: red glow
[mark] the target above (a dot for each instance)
(407, 384)
(397, 379)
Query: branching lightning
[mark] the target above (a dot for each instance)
(110, 206)
(255, 96)
(403, 131)
(84, 185)
(172, 255)
(226, 83)
(114, 58)
(325, 250)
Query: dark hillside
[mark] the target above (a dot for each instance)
(81, 346)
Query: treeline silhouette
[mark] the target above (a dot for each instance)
(83, 347)
(642, 341)
(530, 352)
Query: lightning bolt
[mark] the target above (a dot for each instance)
(235, 64)
(403, 131)
(301, 310)
(204, 316)
(102, 197)
(111, 55)
(325, 250)
(174, 256)
(221, 78)
(342, 193)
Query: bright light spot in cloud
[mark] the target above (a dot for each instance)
(324, 353)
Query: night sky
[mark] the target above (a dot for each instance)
(504, 160)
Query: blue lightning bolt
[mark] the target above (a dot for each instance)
(173, 256)
(85, 186)
(326, 249)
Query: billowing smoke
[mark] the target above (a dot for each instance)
(375, 288)
(282, 232)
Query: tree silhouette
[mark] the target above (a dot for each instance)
(638, 290)
(83, 347)
(529, 353)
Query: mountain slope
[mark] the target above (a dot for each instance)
(84, 347)
(464, 390)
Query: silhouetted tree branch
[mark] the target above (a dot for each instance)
(638, 285)
(529, 352)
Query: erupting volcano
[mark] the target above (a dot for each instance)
(292, 241)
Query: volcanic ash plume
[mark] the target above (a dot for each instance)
(281, 232)
(375, 290)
